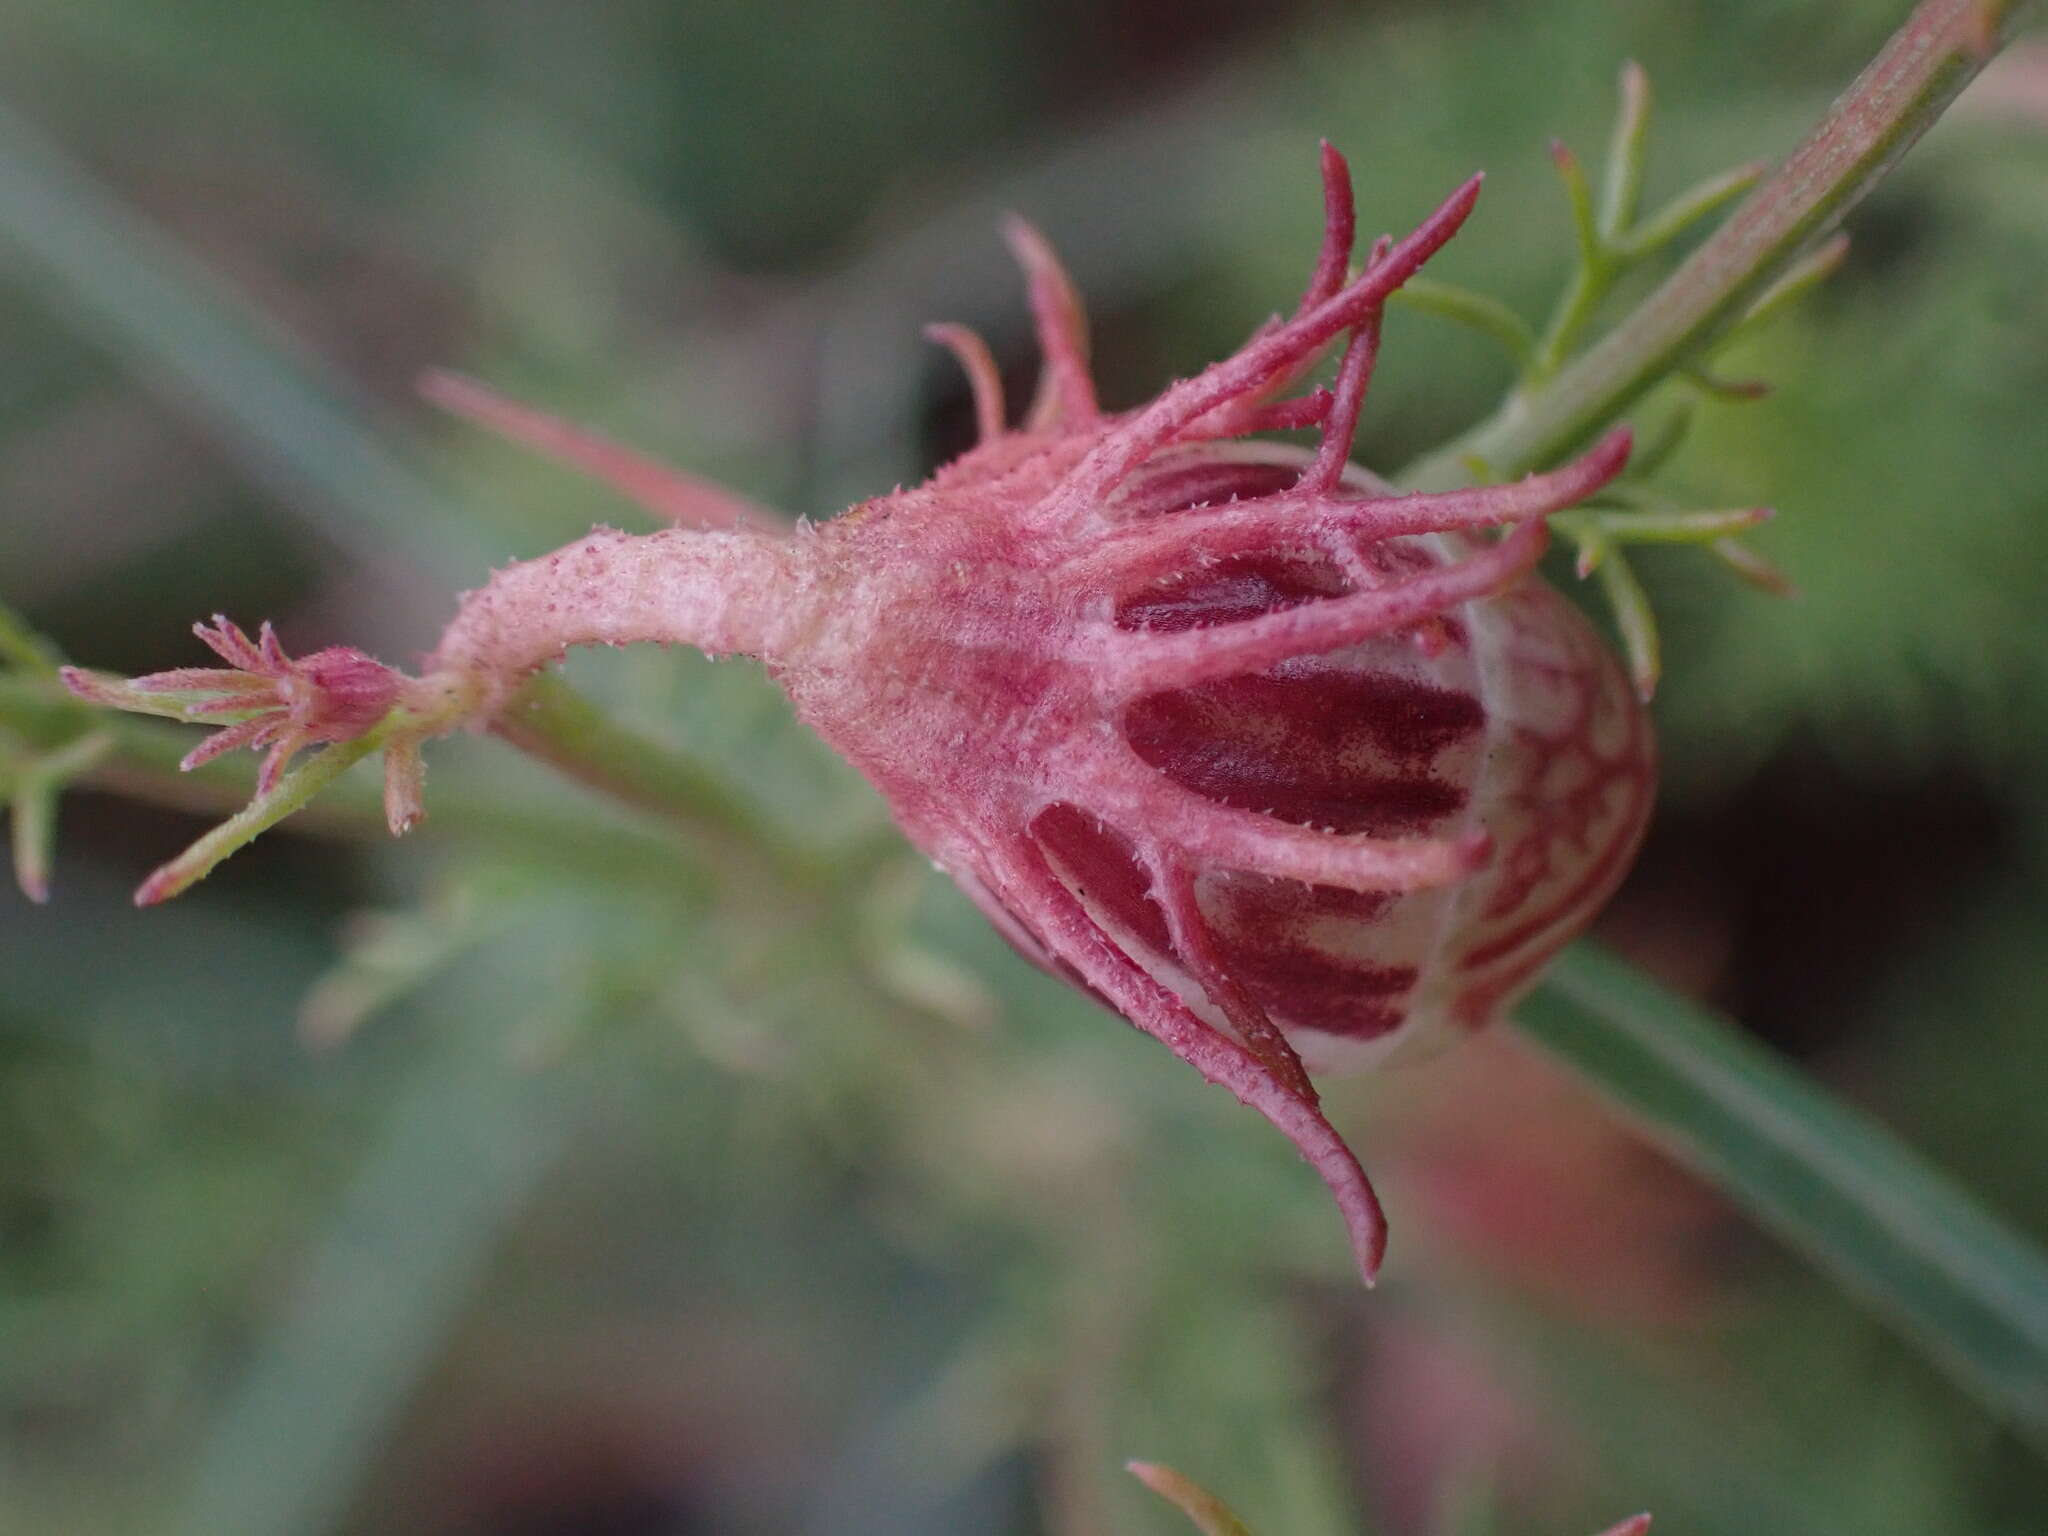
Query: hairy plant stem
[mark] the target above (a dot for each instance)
(1929, 60)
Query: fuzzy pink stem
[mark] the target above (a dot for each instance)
(669, 494)
(1127, 791)
(1038, 894)
(1066, 393)
(720, 592)
(983, 378)
(1251, 367)
(1136, 664)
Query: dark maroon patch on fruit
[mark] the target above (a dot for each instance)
(1341, 997)
(1239, 588)
(1099, 865)
(1161, 493)
(1307, 745)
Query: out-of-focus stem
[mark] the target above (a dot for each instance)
(1932, 57)
(550, 721)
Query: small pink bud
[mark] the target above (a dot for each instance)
(347, 692)
(266, 699)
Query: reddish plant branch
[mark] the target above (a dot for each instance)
(1941, 47)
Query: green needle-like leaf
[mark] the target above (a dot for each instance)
(1688, 208)
(1477, 311)
(1734, 391)
(1808, 273)
(1621, 188)
(1634, 618)
(1825, 1177)
(1578, 193)
(1679, 527)
(1753, 567)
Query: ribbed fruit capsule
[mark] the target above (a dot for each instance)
(1281, 765)
(1502, 726)
(1292, 771)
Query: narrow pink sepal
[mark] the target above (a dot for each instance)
(668, 493)
(983, 379)
(249, 733)
(284, 745)
(1066, 392)
(234, 647)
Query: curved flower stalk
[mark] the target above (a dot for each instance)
(1288, 769)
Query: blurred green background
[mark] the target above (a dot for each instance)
(540, 1175)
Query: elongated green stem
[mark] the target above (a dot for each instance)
(1828, 1179)
(1477, 311)
(1933, 56)
(551, 721)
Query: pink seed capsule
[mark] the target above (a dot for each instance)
(1288, 769)
(1292, 772)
